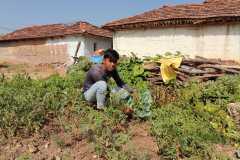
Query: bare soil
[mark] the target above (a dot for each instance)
(142, 141)
(52, 143)
(58, 146)
(39, 71)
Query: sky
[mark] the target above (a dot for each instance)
(15, 14)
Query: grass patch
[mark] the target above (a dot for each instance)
(186, 122)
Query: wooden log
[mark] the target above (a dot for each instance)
(211, 70)
(193, 71)
(236, 67)
(151, 66)
(182, 78)
(200, 57)
(157, 69)
(220, 67)
(223, 62)
(209, 76)
(182, 74)
(155, 79)
(154, 74)
(199, 61)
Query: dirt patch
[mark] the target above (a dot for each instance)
(226, 150)
(39, 71)
(142, 141)
(57, 146)
(52, 143)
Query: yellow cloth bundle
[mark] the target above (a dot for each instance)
(167, 67)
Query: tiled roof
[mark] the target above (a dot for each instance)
(56, 30)
(210, 10)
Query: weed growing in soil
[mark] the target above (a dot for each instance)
(189, 126)
(186, 123)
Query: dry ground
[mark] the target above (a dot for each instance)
(35, 71)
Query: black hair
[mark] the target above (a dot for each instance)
(112, 54)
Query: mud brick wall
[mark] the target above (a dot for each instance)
(33, 52)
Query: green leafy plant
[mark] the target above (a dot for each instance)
(189, 120)
(131, 69)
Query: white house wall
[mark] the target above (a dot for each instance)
(86, 47)
(208, 41)
(71, 42)
(52, 50)
(102, 43)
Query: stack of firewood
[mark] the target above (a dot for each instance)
(201, 69)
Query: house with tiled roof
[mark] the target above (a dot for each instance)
(54, 43)
(209, 29)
